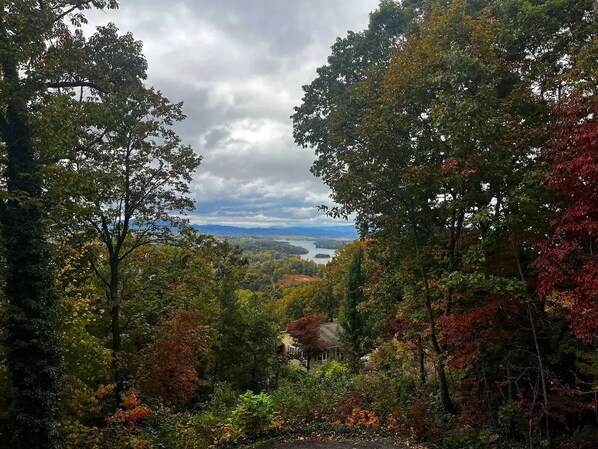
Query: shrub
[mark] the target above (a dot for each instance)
(253, 414)
(289, 405)
(319, 394)
(385, 393)
(327, 388)
(166, 429)
(363, 418)
(223, 399)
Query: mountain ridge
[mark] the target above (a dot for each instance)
(340, 232)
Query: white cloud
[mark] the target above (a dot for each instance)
(239, 66)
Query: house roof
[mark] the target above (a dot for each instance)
(329, 334)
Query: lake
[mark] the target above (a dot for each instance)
(310, 245)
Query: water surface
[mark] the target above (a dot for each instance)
(310, 245)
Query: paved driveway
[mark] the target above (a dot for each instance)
(308, 443)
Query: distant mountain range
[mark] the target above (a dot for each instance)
(333, 232)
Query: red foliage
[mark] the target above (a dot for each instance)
(306, 332)
(130, 413)
(462, 168)
(172, 369)
(420, 422)
(568, 263)
(399, 328)
(470, 331)
(130, 401)
(351, 402)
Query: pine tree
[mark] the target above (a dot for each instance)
(352, 325)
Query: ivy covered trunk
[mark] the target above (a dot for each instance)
(32, 348)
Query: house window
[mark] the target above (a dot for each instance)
(323, 356)
(293, 350)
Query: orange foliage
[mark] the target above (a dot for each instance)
(290, 280)
(131, 412)
(172, 374)
(363, 418)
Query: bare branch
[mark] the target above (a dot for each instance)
(97, 272)
(139, 242)
(69, 84)
(66, 12)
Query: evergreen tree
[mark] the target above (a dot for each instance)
(352, 323)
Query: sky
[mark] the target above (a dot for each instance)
(239, 65)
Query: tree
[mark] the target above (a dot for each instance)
(39, 53)
(172, 373)
(263, 337)
(230, 357)
(568, 265)
(306, 333)
(352, 323)
(443, 133)
(128, 187)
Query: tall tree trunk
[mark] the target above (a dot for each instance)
(421, 357)
(32, 344)
(442, 380)
(254, 384)
(530, 312)
(115, 327)
(456, 227)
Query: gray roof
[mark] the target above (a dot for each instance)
(329, 334)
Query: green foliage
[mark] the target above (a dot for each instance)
(311, 298)
(435, 149)
(510, 416)
(266, 270)
(330, 243)
(278, 249)
(86, 362)
(224, 397)
(427, 125)
(351, 320)
(289, 404)
(253, 414)
(389, 387)
(320, 393)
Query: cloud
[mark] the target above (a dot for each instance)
(239, 66)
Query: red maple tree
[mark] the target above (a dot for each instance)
(568, 263)
(306, 333)
(470, 331)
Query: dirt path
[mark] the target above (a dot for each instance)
(309, 443)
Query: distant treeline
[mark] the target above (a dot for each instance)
(258, 245)
(330, 243)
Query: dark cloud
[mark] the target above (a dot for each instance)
(239, 66)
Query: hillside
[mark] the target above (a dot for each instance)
(331, 232)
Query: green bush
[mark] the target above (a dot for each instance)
(166, 429)
(385, 393)
(317, 394)
(253, 414)
(327, 388)
(289, 406)
(223, 399)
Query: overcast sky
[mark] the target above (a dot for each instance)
(239, 66)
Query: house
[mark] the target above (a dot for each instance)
(329, 336)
